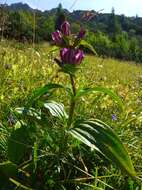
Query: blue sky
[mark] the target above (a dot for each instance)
(127, 7)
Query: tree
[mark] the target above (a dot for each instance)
(60, 17)
(114, 26)
(100, 42)
(75, 27)
(134, 48)
(121, 46)
(14, 24)
(3, 20)
(21, 25)
(45, 27)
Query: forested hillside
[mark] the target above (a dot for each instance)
(111, 35)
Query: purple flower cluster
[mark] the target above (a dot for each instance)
(68, 55)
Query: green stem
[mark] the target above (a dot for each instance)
(72, 105)
(73, 85)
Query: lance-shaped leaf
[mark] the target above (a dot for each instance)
(39, 92)
(103, 90)
(70, 69)
(88, 46)
(17, 147)
(46, 90)
(56, 110)
(8, 169)
(100, 136)
(53, 49)
(32, 112)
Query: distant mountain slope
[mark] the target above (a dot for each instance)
(97, 22)
(20, 6)
(110, 34)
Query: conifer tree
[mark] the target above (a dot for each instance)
(60, 17)
(114, 26)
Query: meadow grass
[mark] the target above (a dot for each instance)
(24, 68)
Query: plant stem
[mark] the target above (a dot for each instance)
(73, 85)
(72, 105)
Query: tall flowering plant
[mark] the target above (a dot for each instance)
(60, 125)
(93, 132)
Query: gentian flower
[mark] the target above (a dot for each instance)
(65, 28)
(57, 37)
(81, 34)
(71, 56)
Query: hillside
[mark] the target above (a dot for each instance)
(110, 34)
(98, 22)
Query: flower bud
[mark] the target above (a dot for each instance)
(71, 56)
(81, 34)
(65, 28)
(57, 37)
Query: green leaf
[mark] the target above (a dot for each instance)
(70, 69)
(100, 136)
(28, 112)
(106, 91)
(56, 110)
(39, 92)
(54, 49)
(88, 46)
(3, 143)
(8, 169)
(17, 144)
(3, 137)
(67, 41)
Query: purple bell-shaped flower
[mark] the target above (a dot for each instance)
(65, 28)
(71, 56)
(57, 37)
(81, 34)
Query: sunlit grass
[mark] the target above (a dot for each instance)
(22, 69)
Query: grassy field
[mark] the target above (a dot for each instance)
(22, 69)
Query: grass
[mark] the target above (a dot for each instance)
(22, 69)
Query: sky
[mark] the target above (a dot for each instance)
(127, 7)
